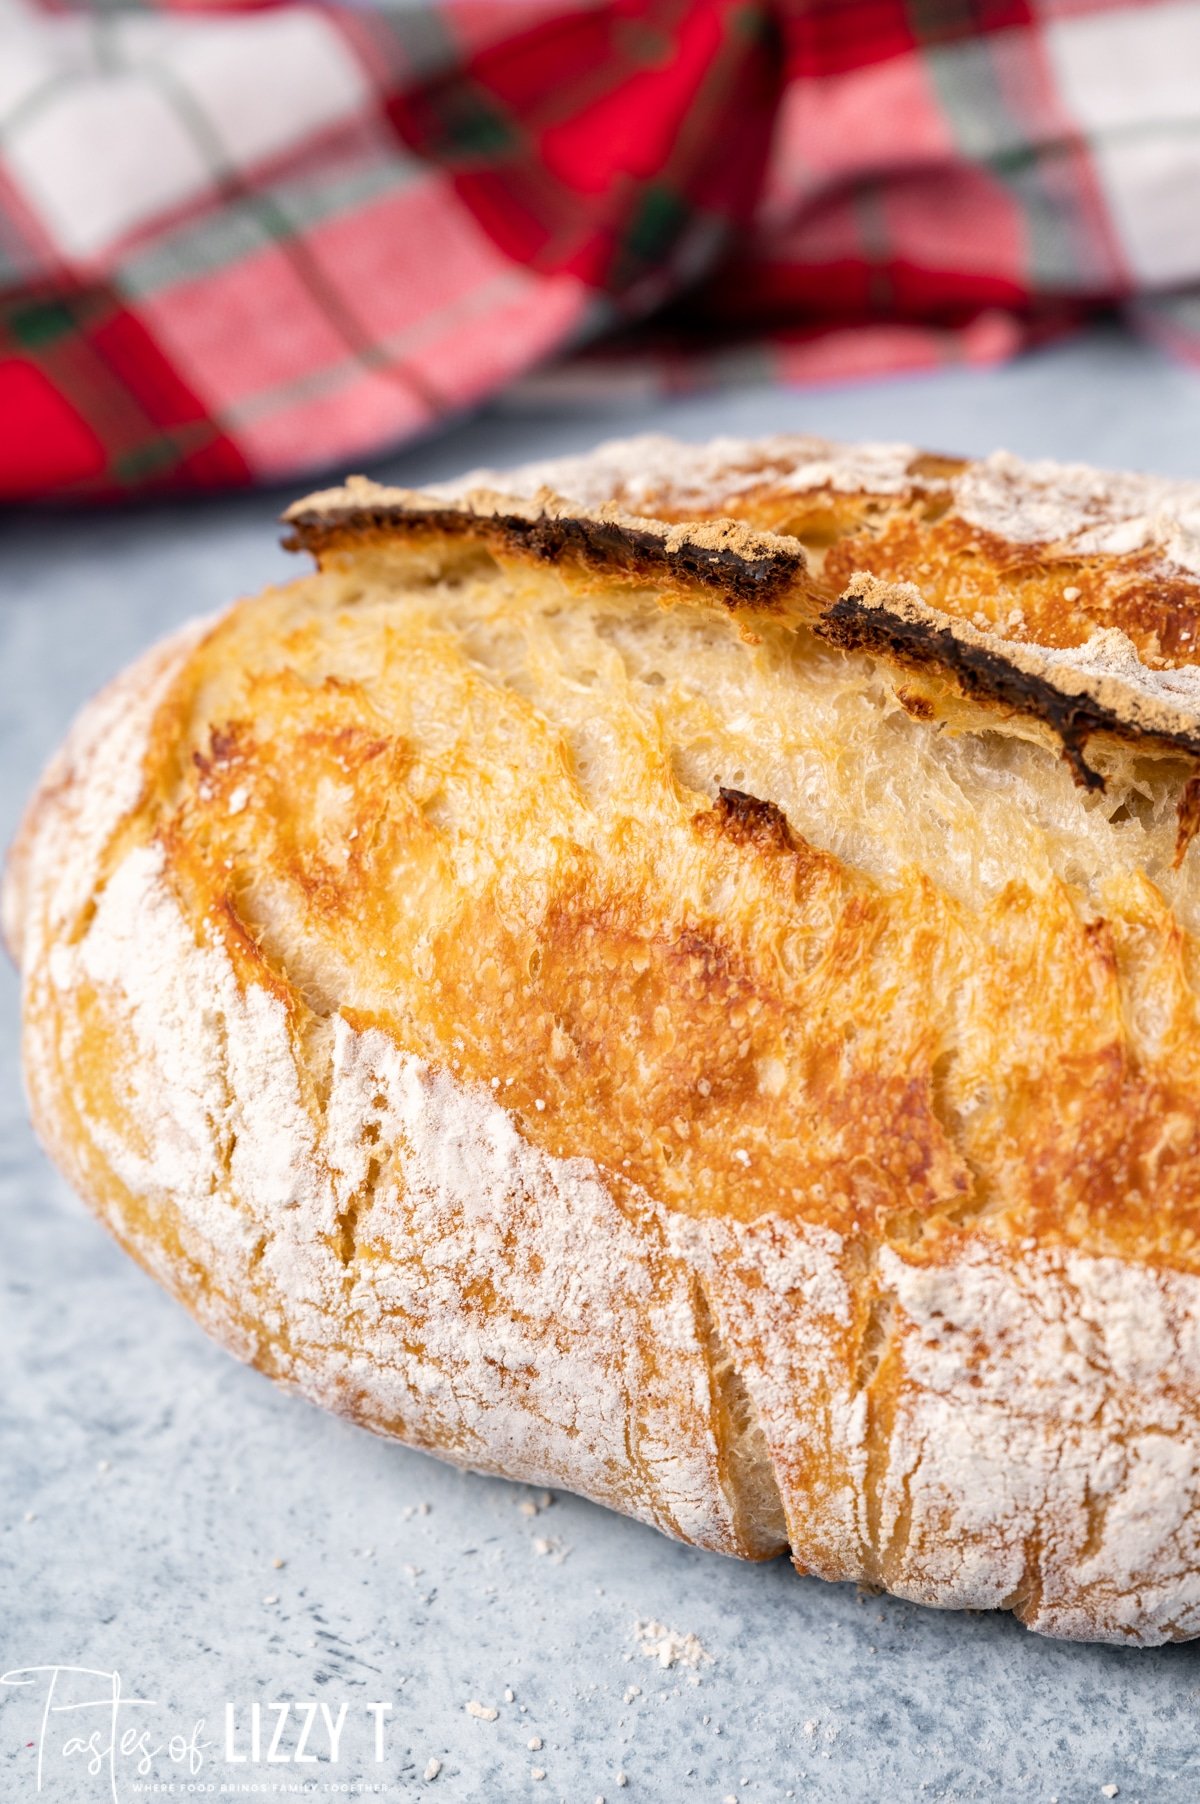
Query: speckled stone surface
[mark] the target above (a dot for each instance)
(149, 1486)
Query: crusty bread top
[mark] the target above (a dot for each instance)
(652, 1048)
(1059, 593)
(704, 898)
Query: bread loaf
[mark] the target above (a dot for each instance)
(673, 974)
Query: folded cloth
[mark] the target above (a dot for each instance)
(239, 242)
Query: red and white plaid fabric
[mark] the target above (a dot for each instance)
(240, 242)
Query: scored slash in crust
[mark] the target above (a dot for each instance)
(1078, 692)
(748, 569)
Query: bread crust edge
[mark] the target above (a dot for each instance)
(751, 571)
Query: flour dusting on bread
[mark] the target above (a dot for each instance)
(1075, 507)
(619, 987)
(652, 468)
(97, 773)
(1083, 511)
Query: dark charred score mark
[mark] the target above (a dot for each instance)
(744, 578)
(747, 821)
(1189, 818)
(986, 676)
(757, 580)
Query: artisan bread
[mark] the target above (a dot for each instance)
(673, 974)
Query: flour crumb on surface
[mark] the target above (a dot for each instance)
(534, 1743)
(486, 1713)
(668, 1646)
(1109, 1791)
(433, 1768)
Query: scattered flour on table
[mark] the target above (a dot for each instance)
(668, 1646)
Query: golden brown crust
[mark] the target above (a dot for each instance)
(1038, 553)
(460, 908)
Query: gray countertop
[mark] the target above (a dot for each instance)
(149, 1487)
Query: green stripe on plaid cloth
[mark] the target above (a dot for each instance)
(242, 242)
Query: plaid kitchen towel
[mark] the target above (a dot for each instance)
(242, 241)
